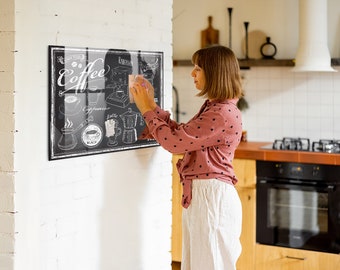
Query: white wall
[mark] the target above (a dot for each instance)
(284, 103)
(281, 103)
(109, 211)
(277, 19)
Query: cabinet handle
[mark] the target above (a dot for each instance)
(296, 258)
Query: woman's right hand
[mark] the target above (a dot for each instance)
(141, 97)
(151, 91)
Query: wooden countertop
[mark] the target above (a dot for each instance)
(253, 150)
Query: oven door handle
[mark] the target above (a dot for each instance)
(296, 184)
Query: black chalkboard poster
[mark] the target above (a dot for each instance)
(90, 109)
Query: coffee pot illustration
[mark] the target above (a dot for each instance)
(68, 139)
(130, 119)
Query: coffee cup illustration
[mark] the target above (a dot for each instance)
(71, 102)
(92, 135)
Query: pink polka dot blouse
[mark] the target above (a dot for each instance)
(208, 141)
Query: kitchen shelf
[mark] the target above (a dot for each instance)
(247, 63)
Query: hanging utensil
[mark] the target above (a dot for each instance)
(230, 11)
(246, 24)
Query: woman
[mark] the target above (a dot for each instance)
(212, 214)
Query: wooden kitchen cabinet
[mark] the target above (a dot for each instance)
(245, 171)
(176, 235)
(278, 258)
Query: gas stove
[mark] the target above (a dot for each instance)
(303, 144)
(328, 146)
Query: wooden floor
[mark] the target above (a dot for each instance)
(176, 266)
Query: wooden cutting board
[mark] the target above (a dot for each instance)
(255, 40)
(209, 36)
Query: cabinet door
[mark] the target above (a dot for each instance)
(245, 170)
(277, 258)
(247, 258)
(329, 261)
(176, 238)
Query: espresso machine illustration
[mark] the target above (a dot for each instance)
(148, 68)
(130, 120)
(119, 87)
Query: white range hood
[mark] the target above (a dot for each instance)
(313, 53)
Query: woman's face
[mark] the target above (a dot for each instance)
(199, 78)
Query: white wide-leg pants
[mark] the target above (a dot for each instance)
(211, 227)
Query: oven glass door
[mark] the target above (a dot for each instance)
(294, 215)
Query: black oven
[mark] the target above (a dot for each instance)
(298, 205)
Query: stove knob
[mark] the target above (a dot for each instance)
(279, 168)
(316, 171)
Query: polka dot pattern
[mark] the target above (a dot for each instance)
(208, 141)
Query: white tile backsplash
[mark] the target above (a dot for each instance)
(281, 102)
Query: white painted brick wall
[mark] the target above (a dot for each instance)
(6, 261)
(6, 201)
(7, 239)
(102, 212)
(7, 131)
(7, 182)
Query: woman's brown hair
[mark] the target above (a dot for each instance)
(222, 73)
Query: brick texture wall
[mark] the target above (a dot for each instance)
(109, 211)
(7, 131)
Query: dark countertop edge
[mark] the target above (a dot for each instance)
(252, 150)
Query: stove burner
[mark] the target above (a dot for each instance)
(287, 143)
(303, 144)
(328, 146)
